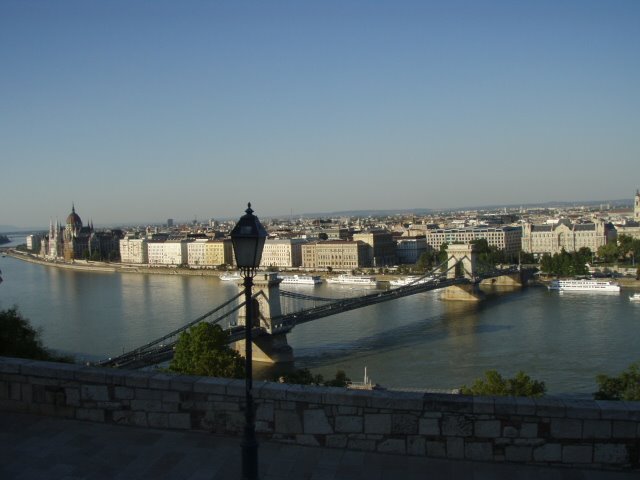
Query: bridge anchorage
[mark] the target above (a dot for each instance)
(277, 312)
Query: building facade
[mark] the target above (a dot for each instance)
(508, 239)
(167, 253)
(133, 250)
(285, 253)
(552, 239)
(381, 247)
(338, 255)
(207, 253)
(410, 249)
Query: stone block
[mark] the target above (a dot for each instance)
(566, 428)
(551, 452)
(127, 417)
(611, 454)
(347, 410)
(169, 396)
(633, 409)
(336, 441)
(481, 451)
(487, 428)
(525, 406)
(613, 410)
(455, 447)
(517, 453)
(349, 424)
(212, 385)
(596, 429)
(307, 440)
(416, 445)
(96, 393)
(577, 454)
(287, 422)
(148, 394)
(396, 400)
(123, 393)
(4, 389)
(180, 421)
(305, 393)
(26, 393)
(262, 427)
(393, 445)
(584, 409)
(429, 426)
(90, 414)
(158, 420)
(316, 422)
(138, 379)
(183, 383)
(272, 391)
(510, 432)
(483, 405)
(346, 397)
(444, 402)
(236, 388)
(361, 444)
(436, 448)
(265, 411)
(505, 406)
(624, 429)
(457, 426)
(91, 375)
(377, 423)
(160, 381)
(529, 430)
(15, 391)
(404, 424)
(528, 442)
(12, 365)
(114, 376)
(550, 407)
(147, 405)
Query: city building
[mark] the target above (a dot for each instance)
(207, 253)
(282, 253)
(382, 248)
(167, 253)
(335, 255)
(553, 238)
(133, 249)
(508, 239)
(409, 249)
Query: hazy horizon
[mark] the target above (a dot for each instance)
(155, 110)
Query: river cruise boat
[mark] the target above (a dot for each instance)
(230, 277)
(300, 279)
(354, 280)
(401, 282)
(594, 286)
(635, 297)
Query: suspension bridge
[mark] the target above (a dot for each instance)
(278, 311)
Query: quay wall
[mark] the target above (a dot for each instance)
(545, 431)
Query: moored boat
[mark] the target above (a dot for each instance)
(412, 280)
(300, 279)
(635, 297)
(230, 277)
(354, 280)
(595, 286)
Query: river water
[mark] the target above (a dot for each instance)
(416, 342)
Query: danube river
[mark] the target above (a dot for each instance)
(416, 342)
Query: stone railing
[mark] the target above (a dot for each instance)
(550, 431)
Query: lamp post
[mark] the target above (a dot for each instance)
(248, 237)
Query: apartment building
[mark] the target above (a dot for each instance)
(207, 253)
(409, 249)
(133, 249)
(508, 239)
(552, 238)
(382, 247)
(338, 255)
(282, 253)
(169, 252)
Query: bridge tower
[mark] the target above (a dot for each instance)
(462, 262)
(271, 348)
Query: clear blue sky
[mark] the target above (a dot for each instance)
(139, 111)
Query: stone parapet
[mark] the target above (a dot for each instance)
(547, 431)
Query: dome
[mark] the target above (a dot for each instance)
(74, 219)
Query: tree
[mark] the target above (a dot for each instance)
(494, 384)
(203, 350)
(609, 252)
(19, 339)
(625, 386)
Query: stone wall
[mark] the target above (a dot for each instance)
(550, 431)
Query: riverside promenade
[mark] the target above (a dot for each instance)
(39, 447)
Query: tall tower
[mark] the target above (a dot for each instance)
(636, 207)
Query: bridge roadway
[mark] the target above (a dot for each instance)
(162, 349)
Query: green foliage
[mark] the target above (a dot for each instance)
(203, 350)
(488, 256)
(494, 384)
(19, 339)
(625, 386)
(566, 264)
(609, 252)
(303, 376)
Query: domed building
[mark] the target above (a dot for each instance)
(76, 238)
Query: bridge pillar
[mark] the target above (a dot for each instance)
(464, 258)
(466, 293)
(266, 348)
(508, 280)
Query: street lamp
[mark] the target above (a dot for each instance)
(248, 237)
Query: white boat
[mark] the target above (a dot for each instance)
(230, 277)
(635, 297)
(354, 280)
(594, 286)
(300, 279)
(401, 282)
